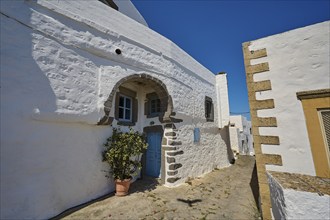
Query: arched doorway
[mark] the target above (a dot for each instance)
(165, 100)
(143, 101)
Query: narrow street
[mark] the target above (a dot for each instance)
(221, 194)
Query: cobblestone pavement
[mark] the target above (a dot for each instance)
(221, 194)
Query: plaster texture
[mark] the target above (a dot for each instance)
(295, 204)
(58, 68)
(298, 61)
(235, 139)
(223, 100)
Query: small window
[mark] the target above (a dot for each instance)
(155, 106)
(209, 115)
(125, 108)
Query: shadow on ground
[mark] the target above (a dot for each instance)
(145, 184)
(227, 193)
(140, 185)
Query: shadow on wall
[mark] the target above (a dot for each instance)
(29, 76)
(224, 133)
(255, 186)
(24, 87)
(277, 198)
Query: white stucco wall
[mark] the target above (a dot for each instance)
(58, 67)
(235, 139)
(298, 61)
(223, 100)
(238, 121)
(293, 204)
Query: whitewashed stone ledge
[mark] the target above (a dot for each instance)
(63, 117)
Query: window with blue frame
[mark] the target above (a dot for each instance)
(125, 108)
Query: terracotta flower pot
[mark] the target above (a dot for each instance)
(122, 187)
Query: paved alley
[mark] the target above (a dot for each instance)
(221, 194)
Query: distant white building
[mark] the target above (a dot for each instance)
(72, 69)
(288, 80)
(241, 139)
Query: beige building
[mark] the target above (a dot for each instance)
(288, 84)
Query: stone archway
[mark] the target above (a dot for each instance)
(169, 140)
(158, 86)
(165, 116)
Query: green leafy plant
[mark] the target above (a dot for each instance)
(122, 153)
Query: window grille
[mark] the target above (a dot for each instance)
(325, 116)
(209, 112)
(155, 106)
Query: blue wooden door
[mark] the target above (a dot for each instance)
(153, 157)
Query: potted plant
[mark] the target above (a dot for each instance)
(123, 154)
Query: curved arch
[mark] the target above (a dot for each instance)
(156, 84)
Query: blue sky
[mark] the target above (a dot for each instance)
(212, 31)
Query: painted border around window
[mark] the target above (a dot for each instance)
(312, 104)
(325, 128)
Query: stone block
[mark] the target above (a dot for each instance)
(172, 180)
(257, 68)
(271, 140)
(164, 141)
(175, 153)
(168, 125)
(170, 134)
(272, 159)
(169, 148)
(170, 159)
(174, 142)
(172, 173)
(265, 122)
(262, 104)
(260, 86)
(258, 53)
(175, 166)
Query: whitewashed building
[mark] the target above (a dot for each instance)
(72, 69)
(288, 79)
(241, 140)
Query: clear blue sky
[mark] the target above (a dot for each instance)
(212, 31)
